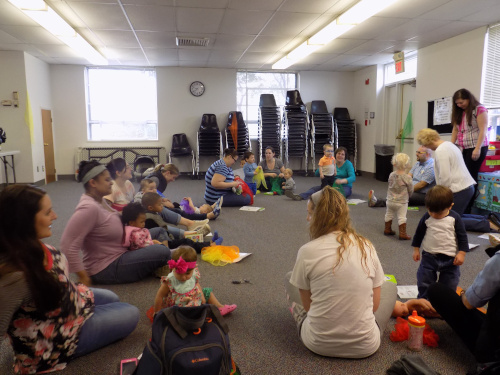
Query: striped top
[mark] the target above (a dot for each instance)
(468, 134)
(219, 167)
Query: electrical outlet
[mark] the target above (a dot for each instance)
(37, 169)
(43, 168)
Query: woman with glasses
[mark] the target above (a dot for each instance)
(219, 181)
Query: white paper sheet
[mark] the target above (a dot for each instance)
(354, 202)
(407, 291)
(242, 256)
(252, 208)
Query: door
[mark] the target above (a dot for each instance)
(48, 146)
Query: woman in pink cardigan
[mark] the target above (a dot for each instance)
(96, 230)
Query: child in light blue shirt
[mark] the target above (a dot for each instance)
(250, 170)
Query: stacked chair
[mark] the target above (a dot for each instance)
(296, 127)
(346, 128)
(322, 129)
(209, 139)
(180, 148)
(237, 135)
(269, 125)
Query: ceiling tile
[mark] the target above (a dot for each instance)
(57, 51)
(344, 59)
(380, 58)
(198, 20)
(221, 64)
(318, 58)
(490, 15)
(10, 15)
(288, 23)
(153, 39)
(7, 38)
(126, 53)
(164, 54)
(225, 55)
(410, 8)
(67, 60)
(254, 4)
(233, 42)
(458, 9)
(341, 45)
(194, 53)
(375, 27)
(406, 46)
(208, 4)
(101, 16)
(244, 22)
(371, 47)
(309, 6)
(256, 57)
(119, 39)
(31, 34)
(268, 44)
(193, 63)
(411, 29)
(148, 2)
(447, 31)
(151, 18)
(340, 6)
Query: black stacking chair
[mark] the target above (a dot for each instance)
(296, 128)
(141, 164)
(269, 125)
(181, 148)
(322, 130)
(209, 139)
(346, 128)
(242, 142)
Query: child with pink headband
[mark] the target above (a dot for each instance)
(180, 288)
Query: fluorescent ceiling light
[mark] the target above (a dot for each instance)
(364, 10)
(45, 16)
(360, 12)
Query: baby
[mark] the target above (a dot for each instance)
(289, 183)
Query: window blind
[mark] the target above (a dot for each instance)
(491, 87)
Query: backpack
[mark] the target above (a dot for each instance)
(187, 340)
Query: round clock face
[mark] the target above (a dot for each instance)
(197, 88)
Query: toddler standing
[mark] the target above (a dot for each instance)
(441, 235)
(398, 193)
(327, 167)
(250, 170)
(182, 285)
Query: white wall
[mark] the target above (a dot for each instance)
(445, 67)
(13, 78)
(38, 83)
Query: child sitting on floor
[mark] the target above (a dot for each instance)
(152, 203)
(250, 169)
(398, 193)
(182, 285)
(289, 183)
(441, 235)
(136, 236)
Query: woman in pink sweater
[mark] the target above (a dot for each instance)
(96, 230)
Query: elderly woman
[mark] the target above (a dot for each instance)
(272, 168)
(219, 181)
(345, 177)
(96, 230)
(470, 124)
(336, 290)
(450, 171)
(48, 318)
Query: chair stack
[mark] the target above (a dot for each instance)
(269, 125)
(180, 148)
(322, 130)
(237, 135)
(346, 129)
(209, 139)
(296, 127)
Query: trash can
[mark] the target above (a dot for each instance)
(383, 157)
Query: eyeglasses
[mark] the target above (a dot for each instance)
(234, 158)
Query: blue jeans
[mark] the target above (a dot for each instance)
(430, 264)
(234, 200)
(134, 265)
(314, 189)
(171, 217)
(476, 223)
(112, 321)
(253, 187)
(461, 199)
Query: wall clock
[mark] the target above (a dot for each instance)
(197, 88)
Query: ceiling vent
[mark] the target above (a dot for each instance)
(191, 42)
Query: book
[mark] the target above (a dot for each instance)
(252, 208)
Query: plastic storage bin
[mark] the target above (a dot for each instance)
(383, 157)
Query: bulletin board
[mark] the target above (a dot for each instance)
(439, 115)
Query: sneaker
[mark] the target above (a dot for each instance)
(197, 223)
(203, 229)
(217, 239)
(293, 196)
(218, 206)
(372, 200)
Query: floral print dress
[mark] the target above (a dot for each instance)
(45, 343)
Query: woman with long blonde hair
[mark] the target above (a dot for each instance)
(336, 290)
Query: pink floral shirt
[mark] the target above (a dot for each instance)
(46, 343)
(137, 238)
(192, 297)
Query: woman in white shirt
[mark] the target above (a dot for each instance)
(336, 290)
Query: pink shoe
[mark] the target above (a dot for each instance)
(226, 309)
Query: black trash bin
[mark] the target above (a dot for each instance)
(383, 157)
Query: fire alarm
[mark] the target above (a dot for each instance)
(367, 81)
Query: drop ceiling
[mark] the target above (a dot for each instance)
(243, 34)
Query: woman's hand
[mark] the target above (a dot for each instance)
(476, 154)
(341, 181)
(281, 175)
(270, 175)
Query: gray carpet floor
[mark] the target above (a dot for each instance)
(262, 331)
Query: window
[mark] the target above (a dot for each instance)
(491, 82)
(249, 87)
(409, 73)
(121, 104)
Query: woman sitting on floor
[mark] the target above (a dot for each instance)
(273, 168)
(48, 318)
(345, 177)
(336, 290)
(96, 229)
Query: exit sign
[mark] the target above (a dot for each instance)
(400, 66)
